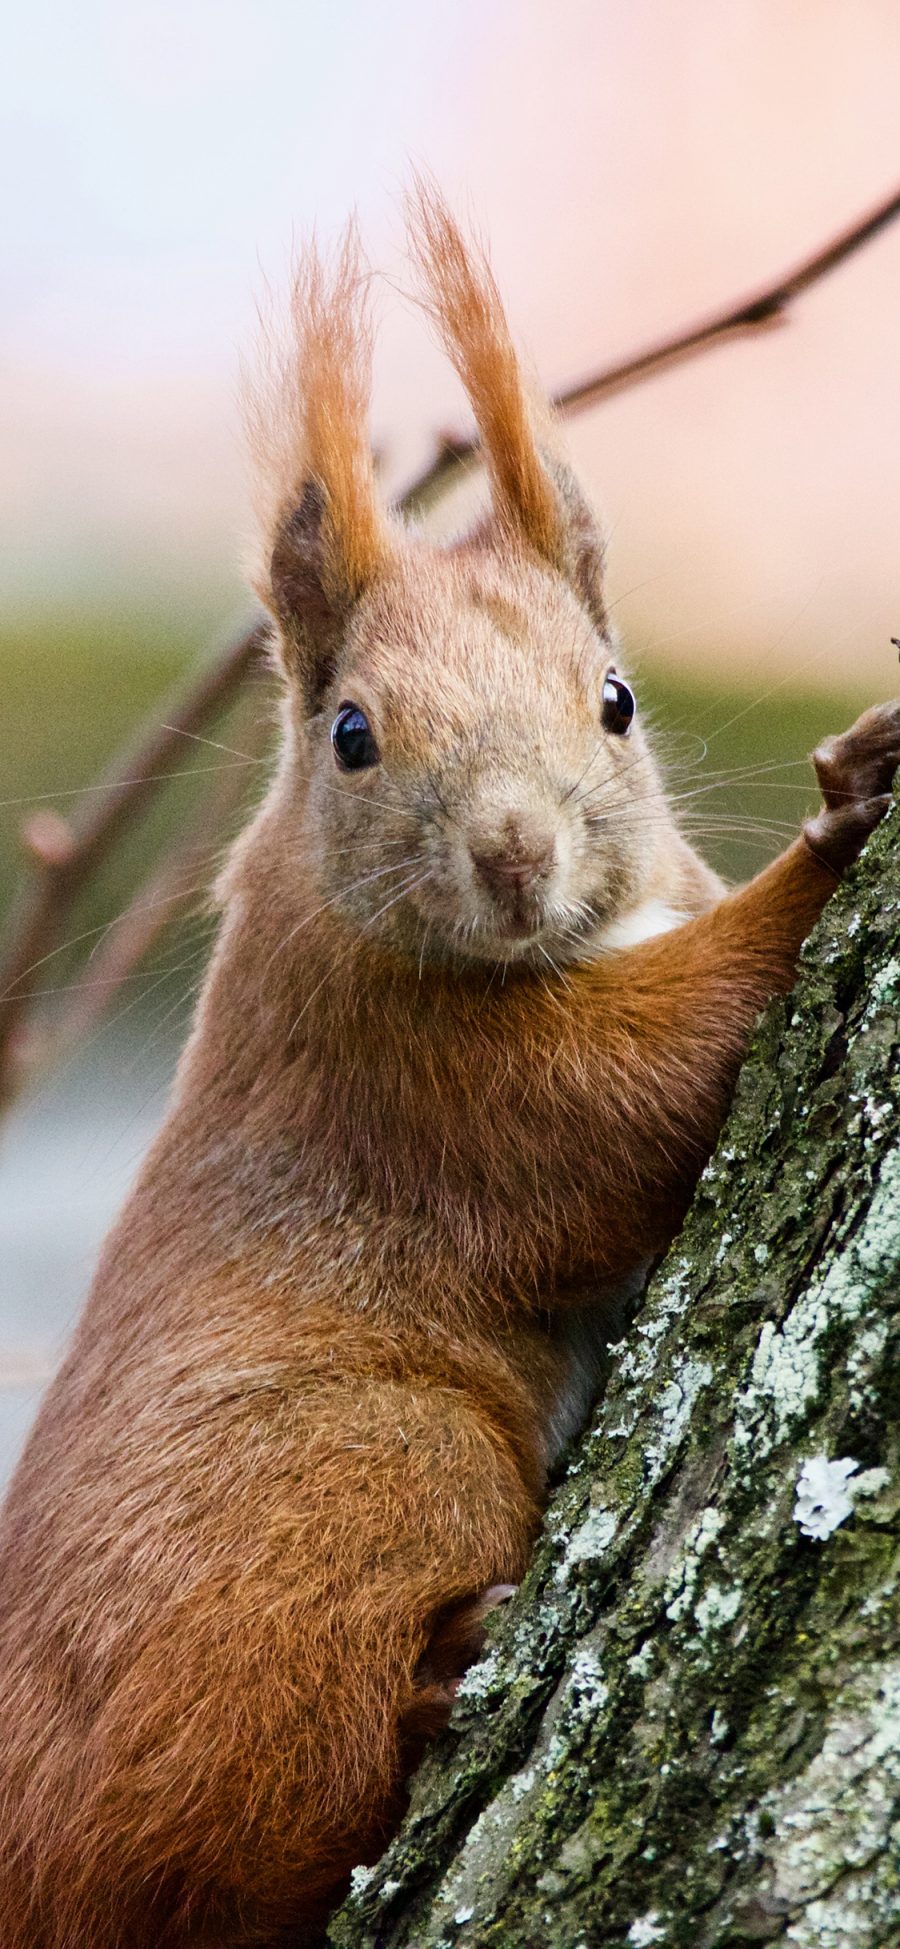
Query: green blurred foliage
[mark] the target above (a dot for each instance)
(76, 694)
(74, 689)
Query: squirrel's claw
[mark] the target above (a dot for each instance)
(856, 772)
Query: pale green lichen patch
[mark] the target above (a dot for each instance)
(584, 1696)
(787, 1363)
(842, 1812)
(884, 987)
(823, 1495)
(827, 1492)
(672, 1412)
(481, 1679)
(718, 1606)
(862, 1360)
(682, 1581)
(646, 1930)
(589, 1542)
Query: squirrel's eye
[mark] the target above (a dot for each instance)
(618, 706)
(351, 736)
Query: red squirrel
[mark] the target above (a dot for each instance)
(466, 1041)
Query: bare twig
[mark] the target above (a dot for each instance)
(178, 887)
(63, 854)
(762, 308)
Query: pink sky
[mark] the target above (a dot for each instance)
(633, 164)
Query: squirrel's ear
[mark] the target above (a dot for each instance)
(583, 555)
(323, 534)
(536, 497)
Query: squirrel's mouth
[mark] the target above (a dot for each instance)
(511, 920)
(515, 913)
(522, 917)
(526, 926)
(559, 932)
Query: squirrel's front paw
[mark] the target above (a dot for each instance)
(856, 772)
(456, 1643)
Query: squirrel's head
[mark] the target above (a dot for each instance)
(465, 768)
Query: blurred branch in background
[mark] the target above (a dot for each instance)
(63, 854)
(769, 306)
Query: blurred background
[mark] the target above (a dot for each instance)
(634, 166)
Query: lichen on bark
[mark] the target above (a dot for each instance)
(686, 1730)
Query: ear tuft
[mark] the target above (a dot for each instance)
(462, 297)
(536, 496)
(323, 534)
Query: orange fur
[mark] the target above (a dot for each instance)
(306, 414)
(463, 298)
(427, 1129)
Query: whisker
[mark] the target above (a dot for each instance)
(103, 927)
(556, 969)
(341, 792)
(120, 981)
(123, 784)
(252, 758)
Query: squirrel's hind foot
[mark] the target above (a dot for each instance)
(457, 1642)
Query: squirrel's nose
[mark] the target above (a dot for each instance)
(515, 865)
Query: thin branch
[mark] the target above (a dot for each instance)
(178, 887)
(765, 307)
(64, 853)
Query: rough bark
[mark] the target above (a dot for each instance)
(686, 1730)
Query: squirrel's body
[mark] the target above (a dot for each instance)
(356, 1301)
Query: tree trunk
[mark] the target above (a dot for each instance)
(686, 1730)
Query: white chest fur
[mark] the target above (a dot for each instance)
(641, 924)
